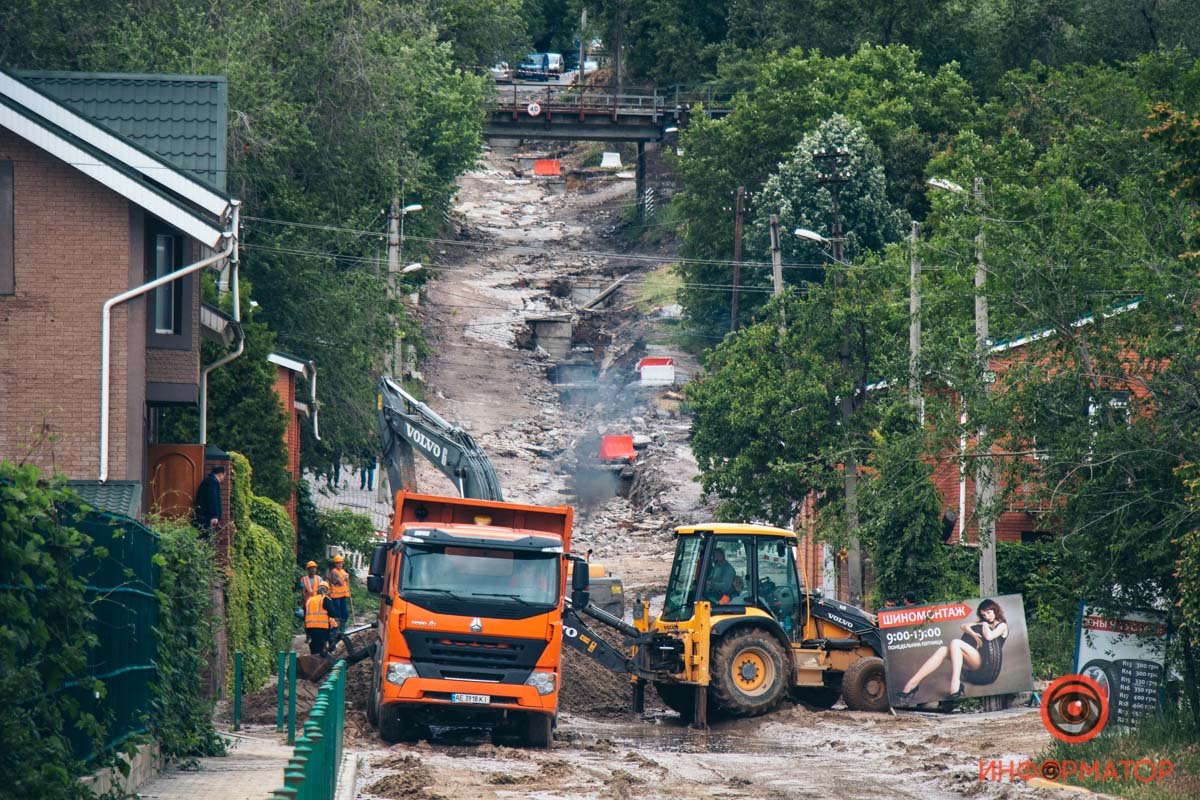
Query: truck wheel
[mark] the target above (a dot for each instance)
(864, 686)
(680, 698)
(749, 673)
(373, 694)
(818, 697)
(393, 727)
(539, 731)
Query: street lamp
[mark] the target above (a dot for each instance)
(949, 186)
(413, 267)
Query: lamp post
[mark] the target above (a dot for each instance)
(985, 489)
(395, 250)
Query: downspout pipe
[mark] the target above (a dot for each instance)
(237, 318)
(312, 385)
(230, 238)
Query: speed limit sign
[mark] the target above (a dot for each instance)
(534, 109)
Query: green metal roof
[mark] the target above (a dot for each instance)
(115, 497)
(181, 118)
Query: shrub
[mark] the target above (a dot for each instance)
(45, 638)
(259, 591)
(182, 719)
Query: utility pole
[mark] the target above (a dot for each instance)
(408, 467)
(984, 488)
(739, 220)
(582, 48)
(830, 175)
(777, 270)
(914, 324)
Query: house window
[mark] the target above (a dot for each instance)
(170, 309)
(1109, 408)
(8, 253)
(169, 296)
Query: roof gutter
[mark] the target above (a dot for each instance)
(237, 317)
(230, 237)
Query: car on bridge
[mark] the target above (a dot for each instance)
(540, 66)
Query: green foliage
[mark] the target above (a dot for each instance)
(259, 601)
(274, 518)
(903, 110)
(45, 639)
(320, 528)
(182, 721)
(901, 512)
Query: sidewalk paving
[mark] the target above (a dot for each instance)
(252, 771)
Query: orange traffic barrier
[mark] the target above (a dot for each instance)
(617, 448)
(548, 167)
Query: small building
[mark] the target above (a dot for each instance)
(288, 370)
(656, 371)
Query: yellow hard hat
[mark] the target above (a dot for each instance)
(322, 587)
(310, 565)
(338, 559)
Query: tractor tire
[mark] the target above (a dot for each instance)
(373, 693)
(680, 698)
(393, 727)
(749, 673)
(864, 686)
(539, 731)
(818, 698)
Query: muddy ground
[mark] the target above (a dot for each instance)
(521, 249)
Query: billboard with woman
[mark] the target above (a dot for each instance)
(948, 651)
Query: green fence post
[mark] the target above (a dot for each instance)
(237, 690)
(280, 677)
(291, 722)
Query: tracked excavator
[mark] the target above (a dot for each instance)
(406, 425)
(740, 630)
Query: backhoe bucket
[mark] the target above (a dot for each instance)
(314, 668)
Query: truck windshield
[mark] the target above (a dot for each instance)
(470, 573)
(678, 603)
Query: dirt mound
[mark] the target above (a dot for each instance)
(591, 690)
(411, 783)
(259, 708)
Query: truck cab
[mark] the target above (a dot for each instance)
(469, 629)
(741, 629)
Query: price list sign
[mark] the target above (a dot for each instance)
(1124, 654)
(973, 648)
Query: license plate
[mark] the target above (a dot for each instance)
(470, 698)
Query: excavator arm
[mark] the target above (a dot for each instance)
(407, 425)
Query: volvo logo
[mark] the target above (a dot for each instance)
(420, 438)
(476, 625)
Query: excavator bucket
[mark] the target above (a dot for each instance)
(314, 668)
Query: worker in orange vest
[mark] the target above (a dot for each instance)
(339, 590)
(309, 581)
(319, 621)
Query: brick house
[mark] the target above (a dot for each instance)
(288, 370)
(1017, 521)
(107, 183)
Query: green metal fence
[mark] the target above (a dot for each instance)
(121, 588)
(312, 771)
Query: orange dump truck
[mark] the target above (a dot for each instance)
(470, 617)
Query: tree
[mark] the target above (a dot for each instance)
(903, 110)
(901, 510)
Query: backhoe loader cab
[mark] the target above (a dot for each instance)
(740, 629)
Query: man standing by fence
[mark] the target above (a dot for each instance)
(207, 514)
(339, 590)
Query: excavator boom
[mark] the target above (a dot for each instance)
(406, 425)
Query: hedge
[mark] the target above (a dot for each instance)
(259, 605)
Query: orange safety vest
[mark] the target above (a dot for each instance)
(342, 589)
(315, 615)
(309, 584)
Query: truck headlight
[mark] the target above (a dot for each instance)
(400, 671)
(544, 682)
